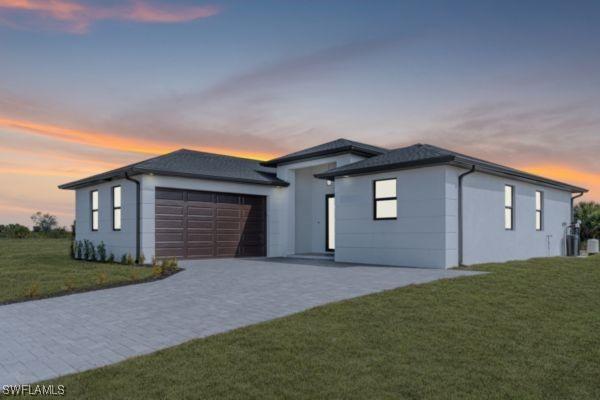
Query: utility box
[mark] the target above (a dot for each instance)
(592, 246)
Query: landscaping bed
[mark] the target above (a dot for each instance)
(39, 268)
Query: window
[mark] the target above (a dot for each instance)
(385, 200)
(94, 201)
(116, 200)
(509, 199)
(539, 210)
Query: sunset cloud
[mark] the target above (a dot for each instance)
(77, 17)
(113, 141)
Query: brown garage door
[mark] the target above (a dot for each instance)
(193, 224)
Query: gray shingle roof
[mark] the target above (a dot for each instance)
(192, 164)
(336, 146)
(425, 154)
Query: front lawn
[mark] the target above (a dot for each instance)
(528, 329)
(33, 268)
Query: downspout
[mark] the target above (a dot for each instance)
(137, 218)
(572, 206)
(460, 214)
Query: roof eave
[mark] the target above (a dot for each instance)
(346, 149)
(522, 176)
(380, 168)
(137, 171)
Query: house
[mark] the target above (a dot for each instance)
(418, 206)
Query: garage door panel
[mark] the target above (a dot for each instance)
(169, 210)
(201, 252)
(169, 223)
(169, 237)
(226, 213)
(192, 224)
(163, 194)
(200, 211)
(229, 225)
(205, 238)
(201, 197)
(166, 252)
(200, 224)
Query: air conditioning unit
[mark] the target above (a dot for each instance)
(592, 246)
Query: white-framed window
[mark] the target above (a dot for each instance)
(509, 200)
(116, 204)
(385, 201)
(539, 210)
(95, 207)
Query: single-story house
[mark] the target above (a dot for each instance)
(417, 206)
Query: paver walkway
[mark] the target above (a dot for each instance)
(43, 339)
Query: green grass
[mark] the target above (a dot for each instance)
(527, 330)
(45, 264)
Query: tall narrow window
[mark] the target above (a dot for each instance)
(539, 210)
(94, 201)
(116, 199)
(509, 199)
(385, 202)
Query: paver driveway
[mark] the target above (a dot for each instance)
(47, 338)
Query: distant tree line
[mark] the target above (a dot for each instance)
(45, 225)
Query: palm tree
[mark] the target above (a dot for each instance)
(588, 212)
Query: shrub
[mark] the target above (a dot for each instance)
(80, 250)
(102, 252)
(129, 259)
(102, 278)
(86, 249)
(33, 290)
(91, 252)
(111, 258)
(157, 270)
(73, 248)
(169, 265)
(142, 259)
(15, 231)
(124, 259)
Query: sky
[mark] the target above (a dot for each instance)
(86, 86)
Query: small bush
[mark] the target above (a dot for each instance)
(102, 278)
(142, 259)
(101, 252)
(111, 258)
(91, 252)
(129, 259)
(124, 259)
(80, 250)
(33, 290)
(157, 270)
(86, 249)
(169, 265)
(73, 249)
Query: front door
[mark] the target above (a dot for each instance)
(330, 222)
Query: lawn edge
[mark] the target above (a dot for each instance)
(94, 288)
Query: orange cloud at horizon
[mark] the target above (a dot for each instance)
(115, 142)
(567, 174)
(76, 17)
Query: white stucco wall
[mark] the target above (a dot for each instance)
(417, 238)
(310, 209)
(276, 232)
(117, 242)
(287, 172)
(485, 239)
